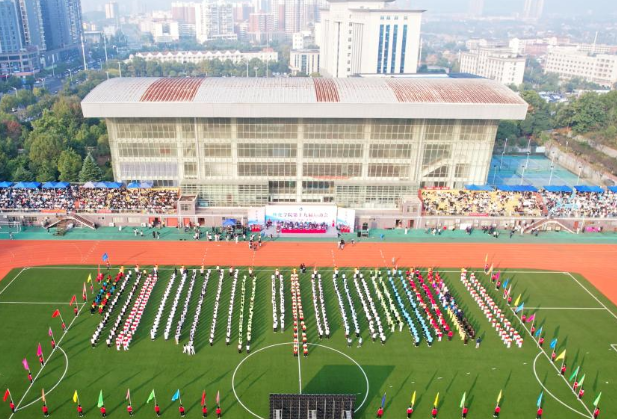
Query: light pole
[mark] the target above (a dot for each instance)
(505, 147)
(120, 68)
(523, 174)
(580, 171)
(494, 173)
(550, 179)
(255, 68)
(528, 152)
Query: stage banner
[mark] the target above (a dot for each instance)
(302, 213)
(257, 216)
(346, 219)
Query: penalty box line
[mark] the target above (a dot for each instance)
(590, 293)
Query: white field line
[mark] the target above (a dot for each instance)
(614, 346)
(12, 280)
(565, 308)
(589, 292)
(37, 303)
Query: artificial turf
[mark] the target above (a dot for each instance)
(564, 308)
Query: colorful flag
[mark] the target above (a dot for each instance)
(436, 400)
(7, 394)
(518, 300)
(505, 284)
(539, 332)
(50, 332)
(151, 397)
(463, 400)
(553, 343)
(39, 350)
(73, 299)
(539, 402)
(498, 275)
(89, 278)
(128, 394)
(83, 293)
(203, 398)
(383, 401)
(531, 318)
(55, 314)
(218, 398)
(43, 395)
(595, 402)
(75, 397)
(176, 396)
(520, 308)
(490, 270)
(574, 374)
(580, 383)
(499, 397)
(561, 355)
(101, 402)
(413, 398)
(25, 363)
(105, 257)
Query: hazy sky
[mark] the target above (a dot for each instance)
(602, 7)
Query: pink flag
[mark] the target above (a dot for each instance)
(39, 351)
(50, 332)
(25, 363)
(531, 318)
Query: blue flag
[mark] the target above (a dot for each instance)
(519, 308)
(176, 396)
(105, 257)
(539, 403)
(505, 284)
(539, 331)
(553, 343)
(383, 401)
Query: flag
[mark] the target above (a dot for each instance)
(561, 355)
(39, 350)
(505, 284)
(43, 395)
(490, 270)
(55, 314)
(580, 383)
(574, 374)
(101, 402)
(539, 331)
(73, 300)
(176, 396)
(518, 300)
(50, 332)
(383, 401)
(151, 397)
(128, 394)
(83, 293)
(105, 257)
(499, 397)
(539, 402)
(595, 402)
(463, 400)
(519, 308)
(25, 363)
(413, 398)
(531, 318)
(436, 402)
(203, 398)
(75, 397)
(89, 278)
(7, 394)
(498, 274)
(218, 398)
(553, 343)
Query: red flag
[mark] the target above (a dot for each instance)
(73, 300)
(56, 314)
(39, 351)
(83, 294)
(203, 398)
(7, 394)
(24, 362)
(218, 397)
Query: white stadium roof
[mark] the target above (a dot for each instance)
(414, 97)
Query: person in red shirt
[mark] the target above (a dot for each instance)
(30, 376)
(541, 341)
(581, 393)
(41, 360)
(181, 410)
(204, 411)
(496, 412)
(409, 411)
(53, 344)
(12, 406)
(553, 356)
(450, 335)
(45, 410)
(129, 409)
(596, 412)
(380, 412)
(103, 411)
(575, 386)
(563, 369)
(157, 410)
(539, 413)
(63, 326)
(465, 411)
(434, 413)
(219, 412)
(80, 411)
(75, 311)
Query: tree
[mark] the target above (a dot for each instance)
(69, 165)
(45, 150)
(90, 171)
(22, 175)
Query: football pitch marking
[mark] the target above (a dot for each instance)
(233, 377)
(614, 346)
(13, 280)
(66, 369)
(589, 292)
(28, 303)
(565, 308)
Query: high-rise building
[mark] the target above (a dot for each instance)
(476, 7)
(295, 16)
(183, 12)
(11, 39)
(304, 61)
(365, 37)
(533, 9)
(214, 21)
(61, 23)
(569, 62)
(499, 64)
(112, 10)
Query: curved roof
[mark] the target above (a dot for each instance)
(304, 97)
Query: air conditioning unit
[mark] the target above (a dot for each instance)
(112, 224)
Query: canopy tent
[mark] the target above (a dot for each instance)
(517, 188)
(479, 188)
(230, 222)
(27, 185)
(610, 188)
(587, 188)
(142, 185)
(5, 184)
(62, 185)
(558, 188)
(89, 185)
(107, 185)
(55, 185)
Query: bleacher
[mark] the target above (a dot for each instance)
(312, 406)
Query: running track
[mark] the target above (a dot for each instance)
(598, 263)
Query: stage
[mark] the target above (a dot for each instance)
(330, 233)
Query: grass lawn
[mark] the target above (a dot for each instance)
(567, 307)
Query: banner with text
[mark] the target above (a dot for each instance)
(346, 220)
(302, 213)
(256, 216)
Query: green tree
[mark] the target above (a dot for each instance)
(22, 174)
(45, 150)
(69, 165)
(90, 171)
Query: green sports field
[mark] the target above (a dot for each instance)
(566, 306)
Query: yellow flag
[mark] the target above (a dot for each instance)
(561, 356)
(490, 270)
(75, 397)
(499, 397)
(89, 278)
(436, 400)
(486, 260)
(43, 395)
(518, 300)
(413, 398)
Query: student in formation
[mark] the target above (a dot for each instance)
(204, 411)
(45, 410)
(465, 411)
(80, 411)
(539, 413)
(129, 410)
(380, 412)
(103, 411)
(182, 411)
(497, 412)
(219, 412)
(409, 411)
(434, 412)
(157, 410)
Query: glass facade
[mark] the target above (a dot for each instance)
(361, 163)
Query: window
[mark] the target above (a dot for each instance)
(266, 169)
(261, 128)
(439, 172)
(217, 150)
(136, 150)
(267, 150)
(434, 153)
(326, 170)
(190, 170)
(388, 170)
(317, 187)
(390, 151)
(439, 130)
(334, 129)
(215, 128)
(348, 151)
(282, 187)
(461, 171)
(392, 129)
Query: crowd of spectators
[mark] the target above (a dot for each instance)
(580, 204)
(490, 203)
(76, 198)
(291, 225)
